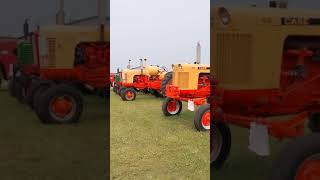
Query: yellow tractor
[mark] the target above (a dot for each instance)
(144, 78)
(71, 61)
(267, 62)
(189, 83)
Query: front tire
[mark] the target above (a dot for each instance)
(60, 104)
(128, 94)
(298, 160)
(171, 107)
(220, 144)
(202, 118)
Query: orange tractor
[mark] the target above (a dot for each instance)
(267, 64)
(144, 78)
(72, 61)
(189, 83)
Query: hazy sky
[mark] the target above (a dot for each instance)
(304, 4)
(13, 13)
(165, 32)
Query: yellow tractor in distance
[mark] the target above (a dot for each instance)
(190, 83)
(144, 78)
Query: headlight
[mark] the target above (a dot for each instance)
(224, 16)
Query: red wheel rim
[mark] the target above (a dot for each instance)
(309, 170)
(173, 107)
(61, 106)
(205, 120)
(129, 95)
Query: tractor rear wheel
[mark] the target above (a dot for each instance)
(202, 118)
(171, 107)
(314, 122)
(60, 104)
(299, 160)
(220, 144)
(128, 94)
(165, 81)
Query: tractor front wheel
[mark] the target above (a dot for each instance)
(299, 160)
(60, 104)
(128, 94)
(202, 118)
(171, 107)
(220, 144)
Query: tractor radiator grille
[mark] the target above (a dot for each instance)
(183, 79)
(233, 57)
(51, 52)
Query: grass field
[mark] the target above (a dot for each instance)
(147, 145)
(30, 150)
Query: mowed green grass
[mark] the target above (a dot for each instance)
(30, 150)
(147, 145)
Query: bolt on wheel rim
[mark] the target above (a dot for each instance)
(205, 120)
(62, 108)
(309, 169)
(173, 107)
(129, 95)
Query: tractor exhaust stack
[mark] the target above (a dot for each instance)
(102, 17)
(198, 53)
(129, 64)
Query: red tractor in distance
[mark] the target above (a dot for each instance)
(8, 47)
(112, 79)
(145, 79)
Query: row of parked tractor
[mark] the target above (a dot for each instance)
(185, 83)
(55, 66)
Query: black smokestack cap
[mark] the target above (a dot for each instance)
(273, 4)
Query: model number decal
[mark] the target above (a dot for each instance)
(294, 21)
(300, 21)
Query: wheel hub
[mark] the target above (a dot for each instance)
(61, 106)
(205, 120)
(309, 170)
(173, 107)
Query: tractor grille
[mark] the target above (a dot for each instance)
(233, 57)
(183, 79)
(51, 52)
